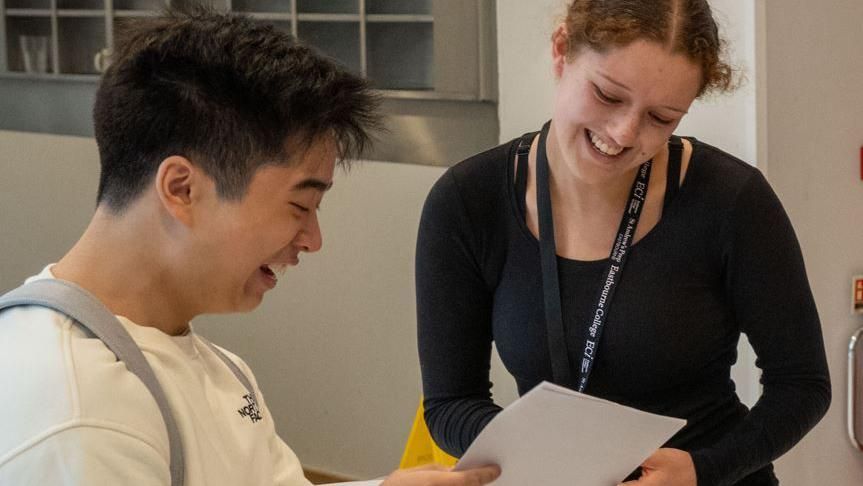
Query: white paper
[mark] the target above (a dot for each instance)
(553, 435)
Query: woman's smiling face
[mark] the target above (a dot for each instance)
(615, 110)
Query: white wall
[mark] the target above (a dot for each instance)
(526, 83)
(814, 134)
(47, 195)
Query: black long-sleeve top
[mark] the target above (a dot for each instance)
(723, 260)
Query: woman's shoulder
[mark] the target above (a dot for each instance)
(473, 193)
(487, 166)
(719, 173)
(479, 178)
(715, 161)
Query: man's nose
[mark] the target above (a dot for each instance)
(309, 238)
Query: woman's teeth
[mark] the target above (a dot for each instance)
(602, 146)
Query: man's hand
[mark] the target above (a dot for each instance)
(434, 475)
(666, 467)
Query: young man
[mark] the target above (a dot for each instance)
(217, 138)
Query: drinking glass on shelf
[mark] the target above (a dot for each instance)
(101, 59)
(34, 52)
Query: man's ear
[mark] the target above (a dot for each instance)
(178, 183)
(559, 48)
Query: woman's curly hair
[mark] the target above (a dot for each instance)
(685, 26)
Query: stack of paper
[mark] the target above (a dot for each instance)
(553, 435)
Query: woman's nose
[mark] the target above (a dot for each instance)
(624, 129)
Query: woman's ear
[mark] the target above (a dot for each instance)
(177, 186)
(559, 48)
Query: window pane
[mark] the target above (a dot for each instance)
(138, 4)
(339, 40)
(281, 6)
(415, 7)
(283, 25)
(80, 39)
(218, 4)
(81, 4)
(32, 28)
(328, 6)
(28, 3)
(401, 55)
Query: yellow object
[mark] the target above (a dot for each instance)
(421, 448)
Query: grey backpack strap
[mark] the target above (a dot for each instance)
(75, 302)
(234, 368)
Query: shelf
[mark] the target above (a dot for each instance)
(400, 55)
(151, 5)
(16, 27)
(261, 6)
(134, 13)
(138, 5)
(79, 39)
(311, 17)
(328, 7)
(78, 78)
(218, 4)
(402, 18)
(82, 5)
(400, 7)
(27, 4)
(28, 12)
(283, 25)
(319, 17)
(276, 17)
(408, 94)
(409, 49)
(338, 40)
(431, 61)
(81, 13)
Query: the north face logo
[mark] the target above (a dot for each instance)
(251, 409)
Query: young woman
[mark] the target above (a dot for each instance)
(608, 255)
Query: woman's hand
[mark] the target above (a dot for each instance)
(434, 475)
(666, 467)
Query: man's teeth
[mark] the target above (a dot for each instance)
(602, 146)
(278, 269)
(275, 269)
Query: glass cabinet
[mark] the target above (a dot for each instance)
(415, 49)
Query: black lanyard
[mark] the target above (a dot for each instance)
(560, 363)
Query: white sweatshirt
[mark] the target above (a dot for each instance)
(71, 414)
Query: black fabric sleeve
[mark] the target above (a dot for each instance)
(454, 321)
(766, 284)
